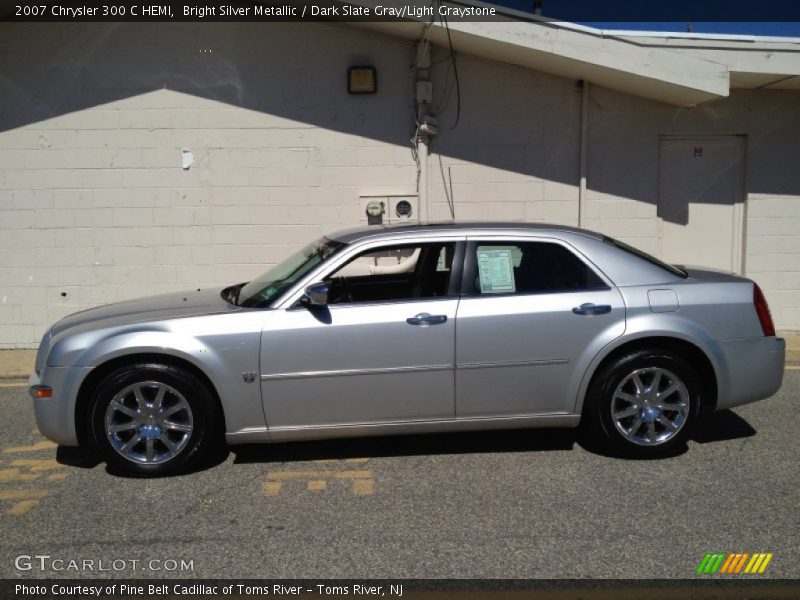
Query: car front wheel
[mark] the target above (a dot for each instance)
(644, 403)
(152, 419)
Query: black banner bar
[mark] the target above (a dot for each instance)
(410, 589)
(398, 10)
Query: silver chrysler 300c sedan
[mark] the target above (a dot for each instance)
(412, 329)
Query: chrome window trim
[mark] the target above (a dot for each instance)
(400, 301)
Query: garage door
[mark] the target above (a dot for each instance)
(701, 201)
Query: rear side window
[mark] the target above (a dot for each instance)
(529, 268)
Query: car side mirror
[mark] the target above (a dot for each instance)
(316, 294)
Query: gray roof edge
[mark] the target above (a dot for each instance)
(354, 234)
(525, 16)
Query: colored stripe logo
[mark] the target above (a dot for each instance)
(734, 563)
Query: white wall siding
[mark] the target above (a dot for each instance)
(94, 202)
(773, 253)
(623, 177)
(95, 207)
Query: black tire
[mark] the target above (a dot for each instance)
(181, 388)
(603, 398)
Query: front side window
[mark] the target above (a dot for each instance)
(266, 288)
(394, 273)
(529, 268)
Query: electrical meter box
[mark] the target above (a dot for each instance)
(389, 210)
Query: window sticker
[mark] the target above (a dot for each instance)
(441, 264)
(496, 270)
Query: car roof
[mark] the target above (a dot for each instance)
(355, 234)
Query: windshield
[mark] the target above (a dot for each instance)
(651, 259)
(262, 290)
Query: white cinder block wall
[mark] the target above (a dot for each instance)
(513, 153)
(94, 205)
(623, 177)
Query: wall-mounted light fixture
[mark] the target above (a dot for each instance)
(362, 80)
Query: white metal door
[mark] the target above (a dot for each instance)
(356, 364)
(701, 201)
(518, 352)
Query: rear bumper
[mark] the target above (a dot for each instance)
(750, 370)
(55, 416)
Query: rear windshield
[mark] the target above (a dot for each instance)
(645, 256)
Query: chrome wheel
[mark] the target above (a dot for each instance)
(148, 422)
(650, 406)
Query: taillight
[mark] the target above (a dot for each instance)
(762, 309)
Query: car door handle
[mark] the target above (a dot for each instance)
(424, 319)
(592, 309)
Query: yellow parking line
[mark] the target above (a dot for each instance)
(14, 384)
(37, 465)
(22, 494)
(330, 461)
(317, 480)
(283, 475)
(363, 487)
(793, 368)
(271, 488)
(10, 475)
(20, 508)
(43, 445)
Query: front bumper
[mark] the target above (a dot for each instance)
(55, 416)
(752, 370)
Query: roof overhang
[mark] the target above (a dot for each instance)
(682, 74)
(753, 62)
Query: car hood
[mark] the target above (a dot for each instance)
(167, 306)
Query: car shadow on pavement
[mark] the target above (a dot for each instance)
(722, 426)
(78, 458)
(408, 445)
(73, 456)
(719, 426)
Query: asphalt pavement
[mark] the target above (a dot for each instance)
(521, 504)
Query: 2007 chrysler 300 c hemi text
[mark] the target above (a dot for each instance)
(412, 329)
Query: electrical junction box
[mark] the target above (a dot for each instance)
(389, 210)
(424, 91)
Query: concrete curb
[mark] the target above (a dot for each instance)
(792, 347)
(18, 364)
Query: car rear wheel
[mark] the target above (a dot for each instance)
(152, 419)
(644, 403)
